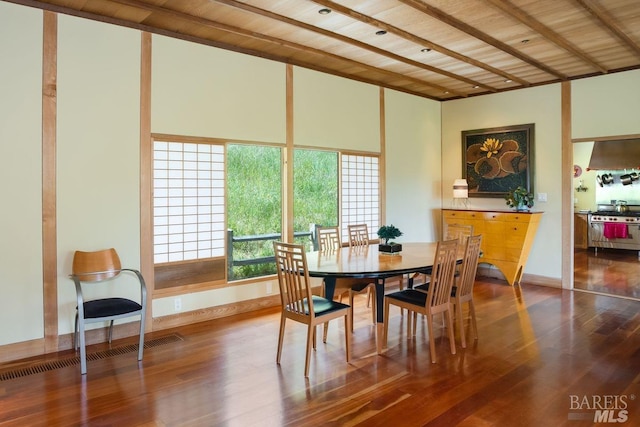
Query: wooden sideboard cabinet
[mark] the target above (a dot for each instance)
(507, 236)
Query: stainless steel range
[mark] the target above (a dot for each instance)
(615, 230)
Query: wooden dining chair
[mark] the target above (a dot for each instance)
(458, 231)
(102, 268)
(329, 241)
(298, 302)
(462, 291)
(358, 235)
(436, 300)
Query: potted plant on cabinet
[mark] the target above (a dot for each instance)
(520, 199)
(386, 233)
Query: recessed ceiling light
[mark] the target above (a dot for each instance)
(381, 33)
(425, 50)
(446, 91)
(324, 11)
(508, 81)
(476, 87)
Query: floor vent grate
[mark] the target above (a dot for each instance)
(71, 361)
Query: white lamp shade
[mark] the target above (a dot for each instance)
(460, 189)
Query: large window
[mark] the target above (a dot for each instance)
(218, 205)
(254, 211)
(315, 191)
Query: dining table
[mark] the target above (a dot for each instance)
(367, 262)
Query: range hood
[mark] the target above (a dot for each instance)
(615, 155)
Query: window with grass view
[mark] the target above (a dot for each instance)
(199, 186)
(315, 191)
(254, 211)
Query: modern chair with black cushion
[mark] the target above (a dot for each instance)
(102, 268)
(436, 300)
(462, 291)
(298, 302)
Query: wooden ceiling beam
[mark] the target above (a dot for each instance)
(281, 42)
(354, 42)
(438, 14)
(418, 40)
(512, 10)
(610, 24)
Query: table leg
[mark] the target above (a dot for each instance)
(329, 287)
(379, 314)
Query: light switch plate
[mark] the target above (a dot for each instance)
(542, 197)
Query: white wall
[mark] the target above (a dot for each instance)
(98, 157)
(203, 91)
(413, 168)
(334, 112)
(540, 105)
(606, 105)
(21, 309)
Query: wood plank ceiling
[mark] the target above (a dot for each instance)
(439, 49)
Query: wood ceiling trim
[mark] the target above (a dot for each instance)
(610, 24)
(235, 48)
(468, 29)
(418, 40)
(281, 42)
(353, 42)
(512, 10)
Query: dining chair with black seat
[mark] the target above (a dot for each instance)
(298, 302)
(359, 237)
(436, 300)
(99, 267)
(329, 241)
(462, 291)
(460, 232)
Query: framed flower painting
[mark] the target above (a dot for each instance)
(497, 160)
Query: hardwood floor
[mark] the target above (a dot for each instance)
(537, 348)
(610, 271)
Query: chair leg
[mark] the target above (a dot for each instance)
(351, 297)
(75, 333)
(326, 331)
(83, 350)
(347, 335)
(374, 313)
(311, 337)
(280, 338)
(474, 326)
(413, 319)
(110, 330)
(432, 342)
(458, 307)
(141, 343)
(452, 339)
(385, 327)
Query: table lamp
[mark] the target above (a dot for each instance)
(460, 192)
